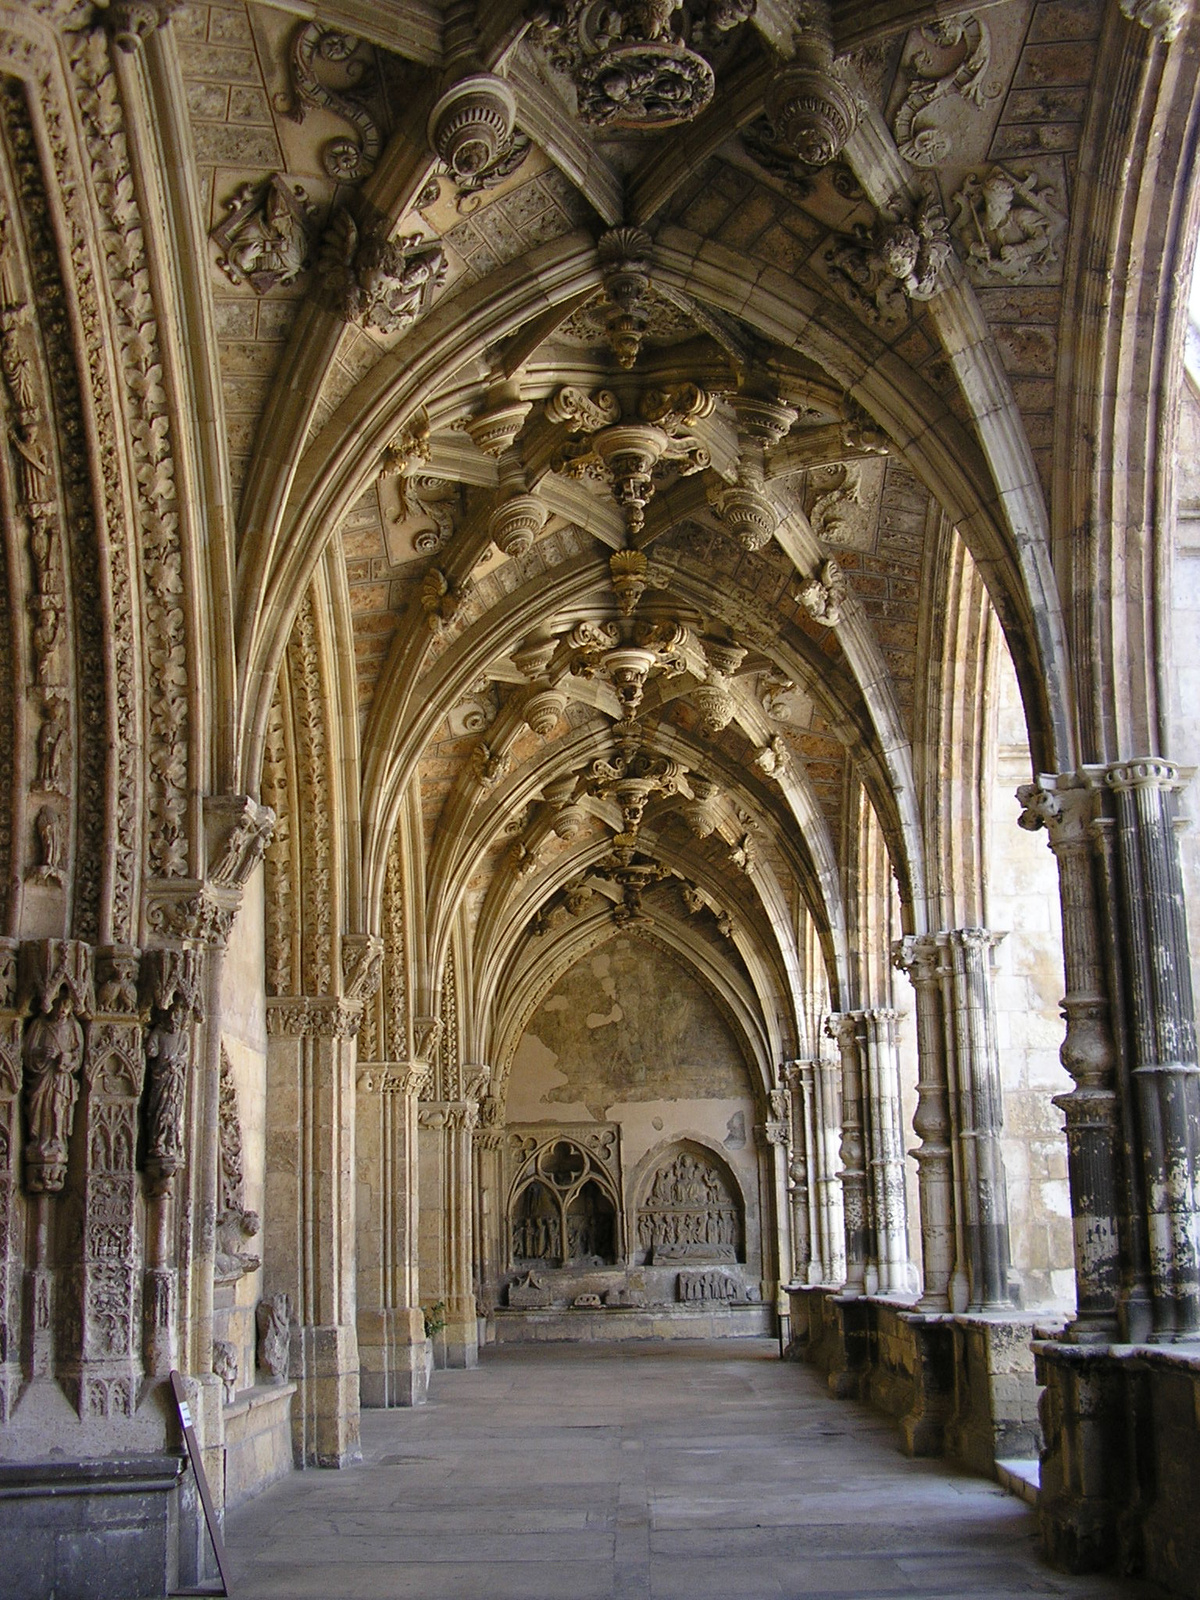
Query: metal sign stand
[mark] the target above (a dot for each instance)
(210, 1514)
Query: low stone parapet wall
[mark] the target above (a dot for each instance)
(627, 1322)
(958, 1385)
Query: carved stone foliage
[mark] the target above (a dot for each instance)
(265, 236)
(952, 64)
(57, 977)
(314, 45)
(273, 1318)
(173, 991)
(690, 1212)
(313, 778)
(881, 269)
(131, 22)
(279, 882)
(380, 283)
(395, 982)
(1009, 226)
(150, 442)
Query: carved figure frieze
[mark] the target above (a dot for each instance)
(1009, 226)
(345, 159)
(265, 236)
(689, 1212)
(707, 1288)
(380, 283)
(952, 64)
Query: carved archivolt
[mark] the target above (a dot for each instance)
(148, 429)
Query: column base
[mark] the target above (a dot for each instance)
(324, 1368)
(394, 1357)
(457, 1344)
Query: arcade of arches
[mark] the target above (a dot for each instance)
(600, 674)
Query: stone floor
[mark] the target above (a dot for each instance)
(658, 1470)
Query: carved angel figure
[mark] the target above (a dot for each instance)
(380, 283)
(823, 596)
(53, 1052)
(914, 253)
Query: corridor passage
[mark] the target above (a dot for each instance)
(683, 1471)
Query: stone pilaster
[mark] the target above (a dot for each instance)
(391, 1328)
(448, 1126)
(1162, 1035)
(919, 958)
(776, 1134)
(102, 1372)
(309, 1238)
(489, 1198)
(843, 1027)
(1088, 1052)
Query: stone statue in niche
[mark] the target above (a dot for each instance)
(689, 1213)
(53, 1053)
(52, 746)
(564, 1216)
(536, 1234)
(274, 1318)
(52, 869)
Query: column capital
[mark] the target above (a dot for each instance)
(1143, 772)
(304, 1016)
(1062, 803)
(916, 955)
(394, 1077)
(842, 1026)
(456, 1115)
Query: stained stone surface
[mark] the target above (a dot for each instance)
(663, 1472)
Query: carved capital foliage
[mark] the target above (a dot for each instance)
(1060, 804)
(842, 1027)
(395, 1077)
(455, 1116)
(916, 955)
(313, 1016)
(426, 1033)
(131, 22)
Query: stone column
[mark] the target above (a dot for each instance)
(831, 1214)
(391, 1326)
(885, 1153)
(1162, 1035)
(919, 958)
(777, 1134)
(843, 1027)
(309, 1239)
(1091, 1108)
(11, 1202)
(983, 1197)
(449, 1126)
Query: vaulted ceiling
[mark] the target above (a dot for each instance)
(636, 363)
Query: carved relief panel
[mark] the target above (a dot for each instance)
(692, 1210)
(564, 1204)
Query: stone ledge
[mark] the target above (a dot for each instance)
(632, 1322)
(258, 1440)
